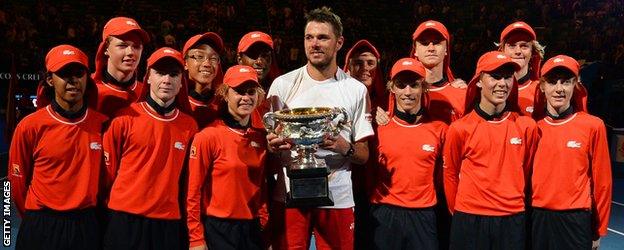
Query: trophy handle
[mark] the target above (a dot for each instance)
(339, 120)
(269, 122)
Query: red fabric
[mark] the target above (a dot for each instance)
(493, 158)
(254, 37)
(144, 155)
(408, 155)
(204, 113)
(112, 99)
(54, 162)
(333, 228)
(526, 96)
(572, 158)
(446, 103)
(226, 176)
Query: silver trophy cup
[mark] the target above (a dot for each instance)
(305, 128)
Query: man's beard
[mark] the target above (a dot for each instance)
(322, 64)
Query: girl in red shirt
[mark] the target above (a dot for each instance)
(55, 157)
(226, 188)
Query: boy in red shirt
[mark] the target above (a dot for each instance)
(487, 159)
(145, 150)
(409, 149)
(116, 61)
(202, 61)
(55, 159)
(571, 179)
(519, 41)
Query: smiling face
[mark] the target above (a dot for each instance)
(202, 63)
(242, 100)
(496, 87)
(408, 88)
(362, 67)
(258, 56)
(165, 81)
(69, 83)
(558, 87)
(321, 44)
(124, 53)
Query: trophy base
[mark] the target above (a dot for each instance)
(308, 188)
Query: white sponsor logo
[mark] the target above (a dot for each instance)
(95, 146)
(243, 70)
(501, 56)
(573, 144)
(131, 23)
(428, 148)
(68, 52)
(407, 63)
(178, 145)
(168, 51)
(558, 60)
(255, 35)
(529, 109)
(515, 141)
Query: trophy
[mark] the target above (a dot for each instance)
(305, 129)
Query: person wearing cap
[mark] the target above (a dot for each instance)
(144, 150)
(491, 148)
(362, 63)
(409, 150)
(519, 41)
(255, 49)
(432, 47)
(202, 61)
(572, 158)
(226, 169)
(55, 158)
(116, 61)
(320, 83)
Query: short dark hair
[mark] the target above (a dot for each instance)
(325, 15)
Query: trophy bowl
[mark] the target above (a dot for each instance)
(305, 129)
(305, 126)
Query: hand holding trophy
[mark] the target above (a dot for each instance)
(305, 128)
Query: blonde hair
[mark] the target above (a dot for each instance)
(221, 93)
(536, 47)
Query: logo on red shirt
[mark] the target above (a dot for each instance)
(573, 144)
(16, 170)
(515, 141)
(428, 148)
